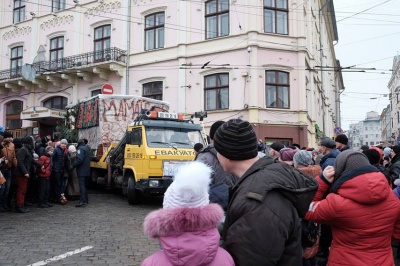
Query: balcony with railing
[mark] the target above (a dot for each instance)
(67, 65)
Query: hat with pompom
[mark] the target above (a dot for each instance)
(190, 186)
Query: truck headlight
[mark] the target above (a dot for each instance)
(153, 183)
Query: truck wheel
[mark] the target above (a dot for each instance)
(133, 197)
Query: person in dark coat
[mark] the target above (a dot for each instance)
(22, 172)
(59, 181)
(394, 166)
(82, 165)
(328, 148)
(262, 225)
(221, 181)
(374, 159)
(341, 142)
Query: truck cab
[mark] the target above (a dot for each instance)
(146, 159)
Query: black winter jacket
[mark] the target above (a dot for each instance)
(25, 161)
(221, 181)
(262, 225)
(82, 162)
(58, 159)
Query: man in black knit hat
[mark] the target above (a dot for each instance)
(341, 142)
(262, 225)
(221, 181)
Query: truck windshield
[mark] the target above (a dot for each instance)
(175, 137)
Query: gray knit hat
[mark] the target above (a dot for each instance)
(236, 140)
(303, 158)
(349, 160)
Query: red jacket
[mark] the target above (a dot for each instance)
(364, 214)
(45, 160)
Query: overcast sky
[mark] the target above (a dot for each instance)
(369, 39)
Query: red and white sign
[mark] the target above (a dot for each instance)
(107, 89)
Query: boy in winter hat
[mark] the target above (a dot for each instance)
(187, 225)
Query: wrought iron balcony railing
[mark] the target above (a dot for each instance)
(86, 59)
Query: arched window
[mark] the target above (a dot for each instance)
(13, 113)
(57, 102)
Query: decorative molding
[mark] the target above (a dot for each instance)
(14, 87)
(56, 34)
(17, 32)
(71, 79)
(118, 69)
(85, 76)
(3, 91)
(102, 9)
(57, 82)
(41, 83)
(103, 73)
(153, 10)
(57, 22)
(27, 85)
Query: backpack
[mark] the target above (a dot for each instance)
(309, 233)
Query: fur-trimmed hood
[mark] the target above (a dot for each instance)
(174, 221)
(188, 236)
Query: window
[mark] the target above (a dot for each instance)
(217, 18)
(216, 91)
(19, 11)
(16, 60)
(56, 52)
(153, 90)
(154, 31)
(13, 112)
(102, 41)
(57, 102)
(276, 16)
(136, 136)
(57, 5)
(96, 92)
(277, 89)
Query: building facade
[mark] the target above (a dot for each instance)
(270, 62)
(54, 53)
(366, 132)
(388, 137)
(394, 88)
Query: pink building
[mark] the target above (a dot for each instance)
(257, 60)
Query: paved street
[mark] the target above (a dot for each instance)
(106, 232)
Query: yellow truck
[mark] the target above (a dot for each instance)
(143, 161)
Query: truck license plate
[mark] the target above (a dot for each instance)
(170, 167)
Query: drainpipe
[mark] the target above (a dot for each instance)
(321, 64)
(128, 48)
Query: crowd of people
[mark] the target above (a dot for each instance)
(39, 171)
(239, 203)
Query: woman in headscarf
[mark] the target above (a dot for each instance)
(362, 209)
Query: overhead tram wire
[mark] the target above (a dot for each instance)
(384, 2)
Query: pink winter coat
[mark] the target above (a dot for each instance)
(188, 236)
